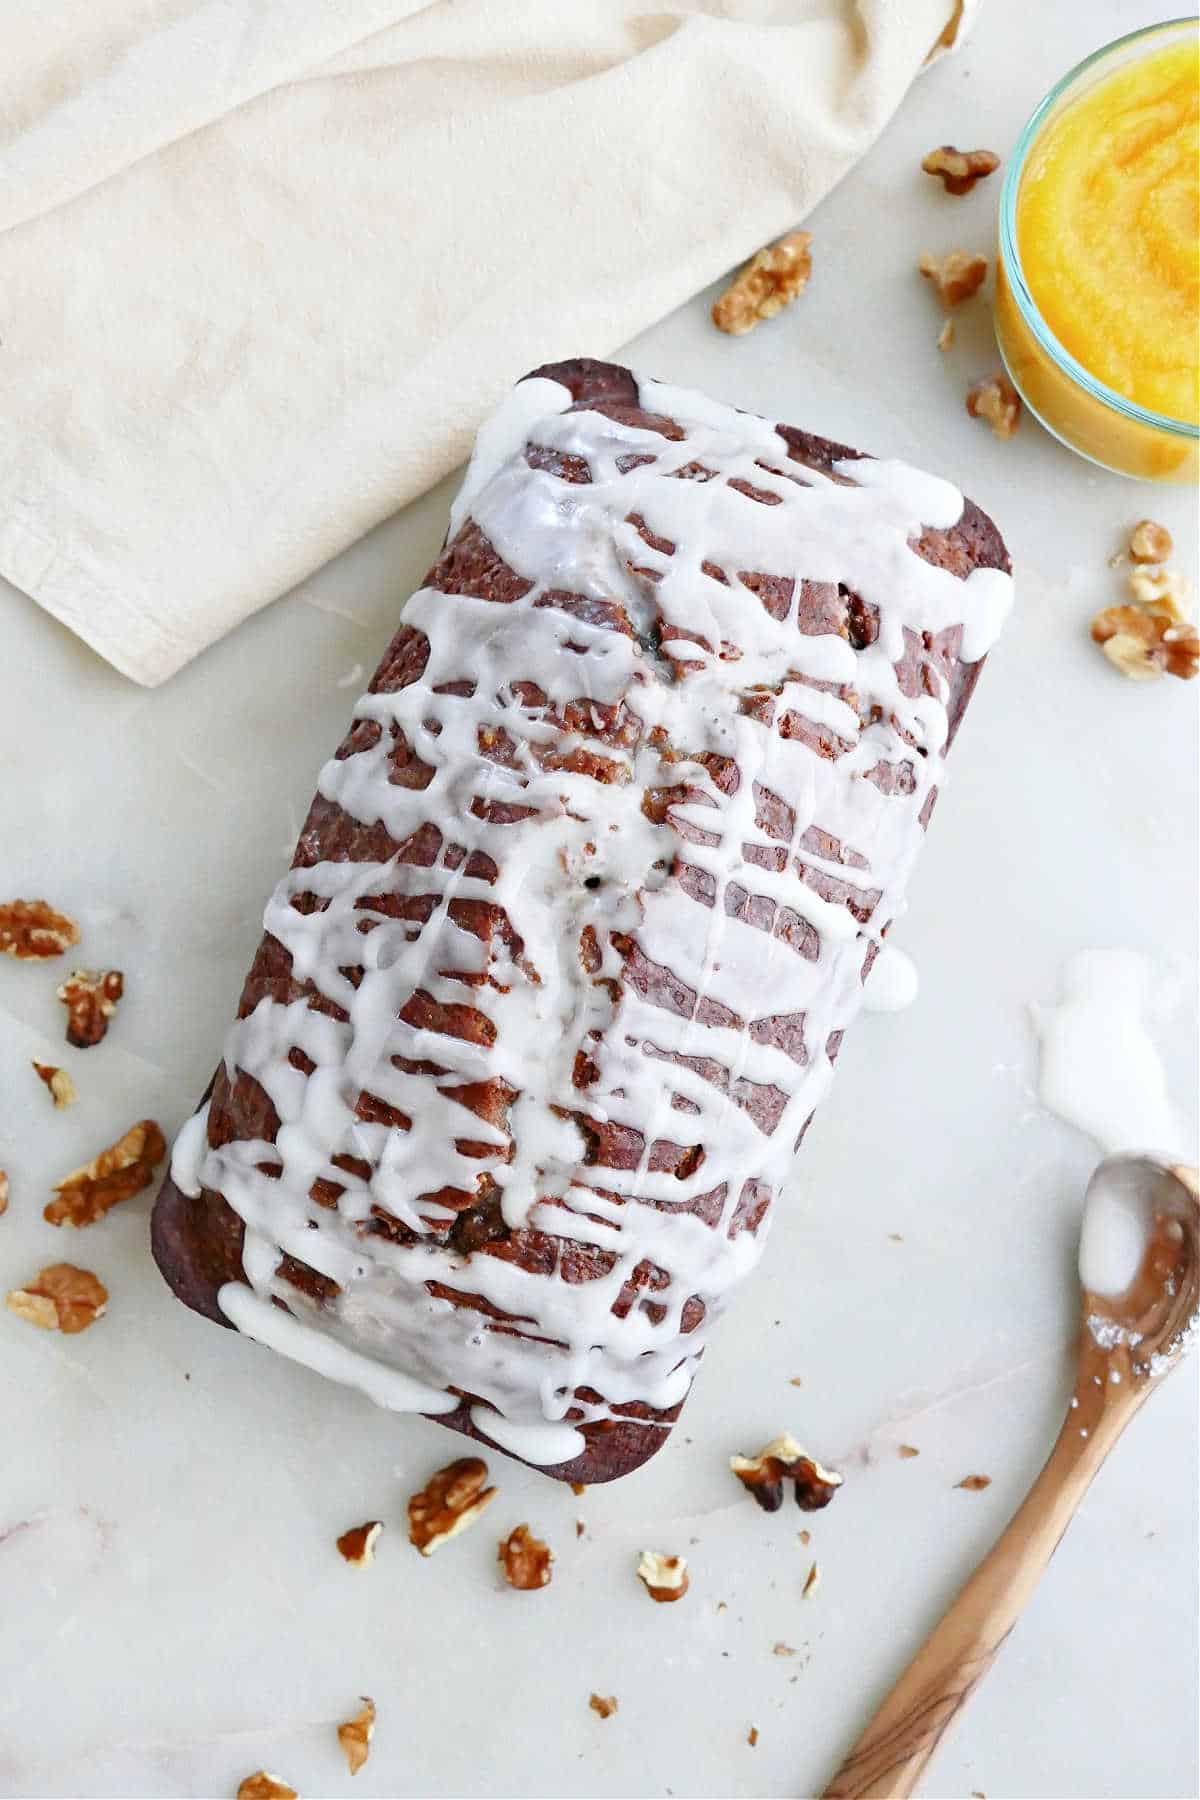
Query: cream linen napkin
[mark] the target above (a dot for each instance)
(265, 264)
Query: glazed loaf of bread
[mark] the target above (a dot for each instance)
(583, 905)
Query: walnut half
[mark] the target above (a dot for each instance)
(995, 399)
(770, 281)
(90, 997)
(955, 276)
(1146, 642)
(663, 1577)
(526, 1560)
(959, 170)
(32, 930)
(449, 1502)
(62, 1298)
(785, 1460)
(118, 1173)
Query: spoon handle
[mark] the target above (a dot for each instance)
(887, 1760)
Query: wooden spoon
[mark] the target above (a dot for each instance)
(1130, 1341)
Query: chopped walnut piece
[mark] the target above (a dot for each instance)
(525, 1559)
(355, 1735)
(812, 1582)
(782, 1650)
(974, 1484)
(945, 336)
(995, 399)
(955, 276)
(63, 1298)
(907, 1450)
(580, 1528)
(261, 1786)
(664, 1577)
(604, 1704)
(358, 1544)
(450, 1501)
(1152, 586)
(804, 1537)
(30, 929)
(3, 1192)
(1145, 642)
(62, 1088)
(769, 282)
(90, 997)
(959, 170)
(752, 1736)
(785, 1460)
(118, 1173)
(1150, 542)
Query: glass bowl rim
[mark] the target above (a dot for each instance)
(1010, 256)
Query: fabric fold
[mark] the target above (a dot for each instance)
(265, 264)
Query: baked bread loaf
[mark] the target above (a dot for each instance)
(583, 905)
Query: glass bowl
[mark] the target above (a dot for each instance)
(1070, 402)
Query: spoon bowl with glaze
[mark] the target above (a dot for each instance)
(1139, 1265)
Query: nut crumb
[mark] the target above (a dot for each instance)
(32, 930)
(604, 1704)
(769, 282)
(1146, 642)
(358, 1544)
(959, 170)
(955, 276)
(525, 1559)
(907, 1450)
(356, 1734)
(974, 1484)
(995, 399)
(62, 1298)
(812, 1582)
(722, 1606)
(784, 1460)
(261, 1786)
(752, 1736)
(579, 1487)
(945, 337)
(90, 997)
(795, 1381)
(118, 1173)
(580, 1528)
(3, 1192)
(663, 1577)
(450, 1501)
(1150, 542)
(782, 1650)
(62, 1088)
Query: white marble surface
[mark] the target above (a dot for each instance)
(172, 1611)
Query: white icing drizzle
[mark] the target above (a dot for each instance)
(721, 892)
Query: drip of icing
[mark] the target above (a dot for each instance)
(270, 1325)
(534, 1441)
(893, 981)
(1099, 1068)
(755, 898)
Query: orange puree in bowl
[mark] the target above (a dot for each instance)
(1108, 230)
